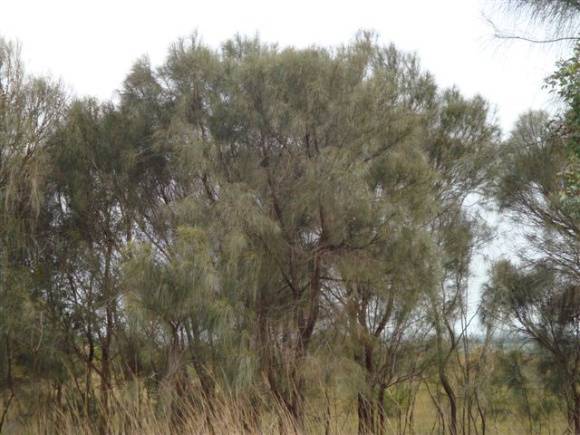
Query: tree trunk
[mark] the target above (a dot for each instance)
(381, 410)
(9, 382)
(481, 414)
(574, 411)
(307, 317)
(109, 327)
(452, 401)
(205, 379)
(365, 415)
(366, 402)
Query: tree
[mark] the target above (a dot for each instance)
(537, 185)
(30, 110)
(461, 150)
(544, 305)
(247, 217)
(564, 82)
(560, 18)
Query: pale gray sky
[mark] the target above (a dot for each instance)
(92, 44)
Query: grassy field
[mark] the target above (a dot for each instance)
(132, 412)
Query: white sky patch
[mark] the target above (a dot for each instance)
(92, 45)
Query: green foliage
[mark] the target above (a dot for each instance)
(276, 226)
(566, 83)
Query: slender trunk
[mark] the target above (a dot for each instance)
(381, 410)
(205, 379)
(452, 401)
(9, 382)
(178, 374)
(528, 410)
(105, 377)
(109, 326)
(437, 406)
(306, 320)
(5, 411)
(328, 414)
(410, 418)
(58, 395)
(294, 401)
(481, 416)
(574, 410)
(365, 414)
(89, 368)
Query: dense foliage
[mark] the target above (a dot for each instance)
(284, 231)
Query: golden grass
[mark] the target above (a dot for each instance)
(131, 413)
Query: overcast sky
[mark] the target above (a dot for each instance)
(91, 46)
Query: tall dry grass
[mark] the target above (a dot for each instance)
(133, 411)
